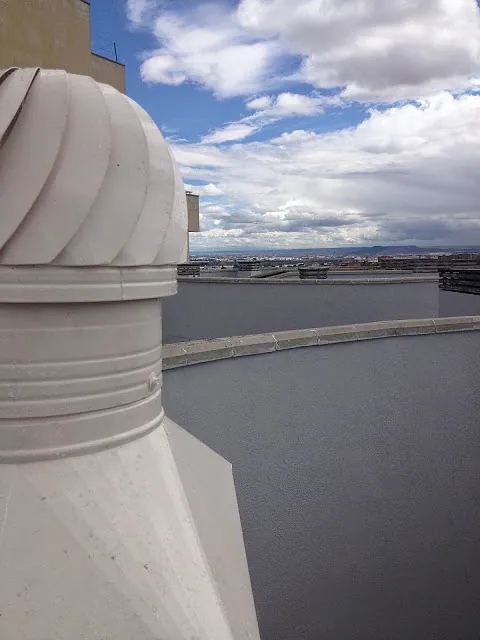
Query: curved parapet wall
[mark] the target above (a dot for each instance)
(87, 178)
(207, 308)
(182, 354)
(356, 468)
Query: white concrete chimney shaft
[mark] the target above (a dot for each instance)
(93, 218)
(111, 516)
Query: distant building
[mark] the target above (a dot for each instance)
(188, 269)
(409, 263)
(54, 35)
(247, 265)
(313, 272)
(460, 260)
(193, 207)
(460, 279)
(193, 204)
(428, 262)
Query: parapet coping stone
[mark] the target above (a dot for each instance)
(297, 281)
(182, 354)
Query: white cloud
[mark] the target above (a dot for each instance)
(209, 189)
(268, 111)
(285, 105)
(376, 49)
(200, 156)
(209, 48)
(294, 104)
(370, 49)
(233, 131)
(162, 68)
(258, 104)
(407, 174)
(138, 10)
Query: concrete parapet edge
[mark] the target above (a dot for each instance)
(297, 281)
(183, 354)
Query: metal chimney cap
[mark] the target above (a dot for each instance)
(86, 177)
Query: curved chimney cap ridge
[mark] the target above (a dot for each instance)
(86, 177)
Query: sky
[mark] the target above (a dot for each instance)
(312, 123)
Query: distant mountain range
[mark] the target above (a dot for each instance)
(340, 251)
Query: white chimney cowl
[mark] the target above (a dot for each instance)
(86, 177)
(114, 521)
(93, 219)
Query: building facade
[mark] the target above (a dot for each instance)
(193, 209)
(53, 34)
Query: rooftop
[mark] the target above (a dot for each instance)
(355, 452)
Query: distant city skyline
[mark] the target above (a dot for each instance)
(348, 250)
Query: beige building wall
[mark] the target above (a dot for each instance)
(193, 207)
(107, 71)
(53, 34)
